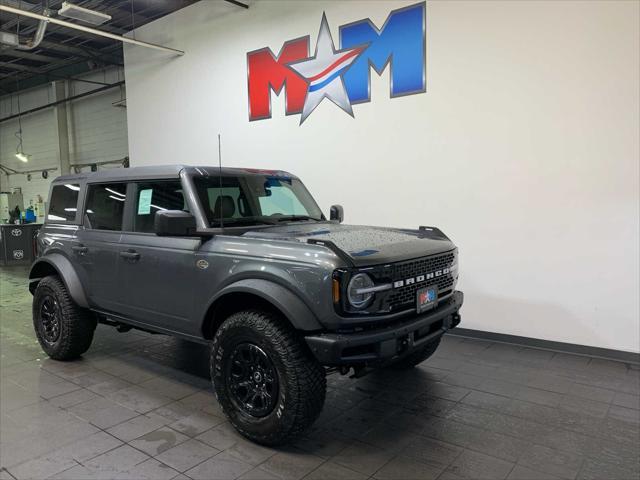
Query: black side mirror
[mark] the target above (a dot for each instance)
(336, 213)
(175, 223)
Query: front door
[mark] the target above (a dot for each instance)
(158, 273)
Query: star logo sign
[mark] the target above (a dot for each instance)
(323, 72)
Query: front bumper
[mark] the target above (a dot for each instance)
(389, 343)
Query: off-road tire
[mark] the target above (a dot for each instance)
(417, 357)
(76, 324)
(301, 379)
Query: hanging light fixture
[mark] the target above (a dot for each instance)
(20, 155)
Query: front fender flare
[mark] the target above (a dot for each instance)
(293, 308)
(66, 272)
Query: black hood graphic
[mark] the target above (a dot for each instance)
(363, 244)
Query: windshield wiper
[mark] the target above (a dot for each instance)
(247, 221)
(294, 218)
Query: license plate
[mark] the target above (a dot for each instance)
(426, 298)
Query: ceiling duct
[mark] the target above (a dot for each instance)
(14, 40)
(70, 10)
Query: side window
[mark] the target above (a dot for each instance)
(64, 203)
(105, 206)
(153, 197)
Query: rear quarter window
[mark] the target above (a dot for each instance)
(63, 205)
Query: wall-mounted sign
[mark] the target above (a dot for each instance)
(343, 75)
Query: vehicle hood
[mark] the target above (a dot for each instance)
(364, 245)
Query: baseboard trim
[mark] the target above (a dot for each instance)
(606, 353)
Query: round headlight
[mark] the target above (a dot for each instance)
(359, 281)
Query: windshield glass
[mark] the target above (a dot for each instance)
(255, 199)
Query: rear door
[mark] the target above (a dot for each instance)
(158, 273)
(97, 250)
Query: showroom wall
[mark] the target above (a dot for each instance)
(524, 148)
(97, 131)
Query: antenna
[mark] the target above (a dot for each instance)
(220, 178)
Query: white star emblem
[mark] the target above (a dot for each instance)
(323, 72)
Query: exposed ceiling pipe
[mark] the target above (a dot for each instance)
(37, 37)
(93, 31)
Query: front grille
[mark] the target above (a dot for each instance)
(404, 297)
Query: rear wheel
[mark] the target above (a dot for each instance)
(265, 379)
(64, 330)
(417, 357)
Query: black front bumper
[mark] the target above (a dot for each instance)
(389, 343)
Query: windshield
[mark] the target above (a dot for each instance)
(255, 199)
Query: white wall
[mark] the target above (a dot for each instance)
(97, 131)
(524, 149)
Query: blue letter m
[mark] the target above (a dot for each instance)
(400, 42)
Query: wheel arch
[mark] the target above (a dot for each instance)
(57, 264)
(259, 294)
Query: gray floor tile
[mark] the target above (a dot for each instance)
(432, 452)
(332, 471)
(221, 437)
(158, 441)
(407, 469)
(488, 401)
(523, 473)
(592, 393)
(102, 412)
(139, 399)
(593, 469)
(551, 461)
(258, 474)
(196, 423)
(291, 465)
(73, 398)
(187, 455)
(626, 400)
(363, 458)
(478, 466)
(42, 467)
(220, 467)
(136, 427)
(250, 452)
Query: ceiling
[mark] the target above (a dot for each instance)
(66, 53)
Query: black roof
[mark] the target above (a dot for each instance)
(165, 171)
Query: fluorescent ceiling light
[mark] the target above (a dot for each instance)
(70, 10)
(22, 157)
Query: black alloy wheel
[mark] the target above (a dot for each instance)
(50, 319)
(253, 380)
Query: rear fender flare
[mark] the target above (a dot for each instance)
(65, 271)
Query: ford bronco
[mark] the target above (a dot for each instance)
(245, 261)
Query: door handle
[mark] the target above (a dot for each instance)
(131, 255)
(79, 249)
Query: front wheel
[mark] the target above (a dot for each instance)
(64, 330)
(265, 379)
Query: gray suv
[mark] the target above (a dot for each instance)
(243, 260)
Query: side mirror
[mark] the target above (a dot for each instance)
(175, 223)
(336, 213)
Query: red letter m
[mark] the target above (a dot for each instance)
(267, 72)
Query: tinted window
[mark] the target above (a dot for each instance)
(105, 206)
(153, 197)
(254, 198)
(64, 203)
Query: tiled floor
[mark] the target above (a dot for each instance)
(140, 406)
